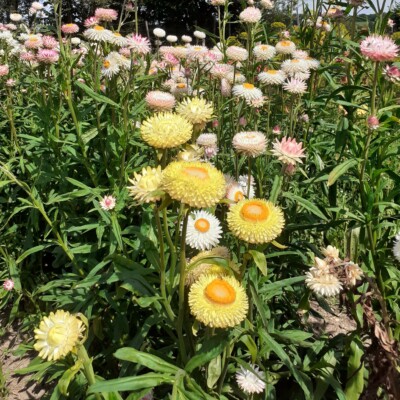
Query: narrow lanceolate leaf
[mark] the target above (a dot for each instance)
(129, 383)
(260, 260)
(96, 96)
(148, 360)
(339, 170)
(307, 205)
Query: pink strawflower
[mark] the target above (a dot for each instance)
(10, 82)
(27, 56)
(251, 15)
(47, 56)
(8, 285)
(106, 14)
(170, 59)
(129, 7)
(70, 28)
(108, 203)
(139, 44)
(91, 21)
(37, 6)
(379, 48)
(49, 42)
(160, 101)
(276, 130)
(288, 151)
(392, 73)
(226, 88)
(11, 27)
(373, 122)
(33, 42)
(295, 85)
(4, 70)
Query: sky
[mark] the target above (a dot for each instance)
(364, 10)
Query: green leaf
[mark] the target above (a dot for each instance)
(146, 381)
(68, 376)
(96, 96)
(260, 260)
(276, 188)
(339, 170)
(355, 371)
(209, 350)
(306, 204)
(302, 379)
(32, 250)
(214, 371)
(148, 360)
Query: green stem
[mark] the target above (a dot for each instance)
(167, 305)
(87, 367)
(182, 278)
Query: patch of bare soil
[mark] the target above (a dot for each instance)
(16, 387)
(323, 322)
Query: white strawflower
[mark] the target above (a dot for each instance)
(98, 34)
(249, 381)
(75, 40)
(251, 144)
(323, 284)
(396, 247)
(267, 4)
(294, 65)
(272, 77)
(199, 35)
(247, 91)
(264, 52)
(236, 77)
(160, 33)
(172, 38)
(295, 86)
(15, 17)
(285, 47)
(186, 39)
(203, 230)
(236, 53)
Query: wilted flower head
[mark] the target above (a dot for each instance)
(392, 73)
(379, 48)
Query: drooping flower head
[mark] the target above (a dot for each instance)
(379, 48)
(58, 334)
(218, 301)
(288, 151)
(203, 230)
(197, 184)
(255, 221)
(146, 186)
(166, 130)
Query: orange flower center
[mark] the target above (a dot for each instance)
(263, 47)
(295, 60)
(238, 196)
(220, 291)
(254, 211)
(181, 85)
(248, 85)
(272, 71)
(285, 43)
(196, 172)
(69, 25)
(202, 225)
(98, 28)
(106, 64)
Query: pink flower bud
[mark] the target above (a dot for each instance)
(373, 122)
(8, 285)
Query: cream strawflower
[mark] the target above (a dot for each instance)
(251, 382)
(106, 14)
(285, 47)
(15, 17)
(195, 110)
(294, 65)
(160, 101)
(353, 274)
(166, 130)
(251, 144)
(58, 334)
(264, 52)
(272, 77)
(199, 35)
(331, 252)
(235, 77)
(203, 230)
(160, 33)
(247, 91)
(207, 139)
(146, 186)
(288, 151)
